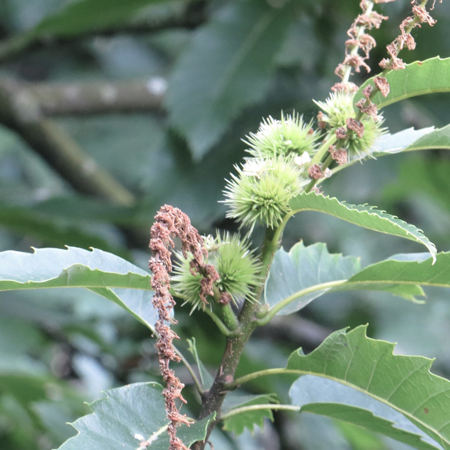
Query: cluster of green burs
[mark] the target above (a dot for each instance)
(235, 263)
(281, 154)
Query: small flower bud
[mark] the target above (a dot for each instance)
(302, 159)
(315, 172)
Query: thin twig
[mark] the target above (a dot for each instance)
(57, 148)
(17, 45)
(190, 369)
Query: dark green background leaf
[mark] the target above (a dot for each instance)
(227, 67)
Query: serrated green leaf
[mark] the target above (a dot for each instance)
(227, 68)
(403, 383)
(416, 268)
(306, 273)
(361, 215)
(248, 419)
(331, 399)
(302, 268)
(418, 78)
(101, 272)
(128, 416)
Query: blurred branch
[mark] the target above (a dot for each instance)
(294, 329)
(21, 43)
(95, 97)
(21, 113)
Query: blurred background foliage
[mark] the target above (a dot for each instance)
(110, 109)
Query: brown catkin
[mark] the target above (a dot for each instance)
(171, 222)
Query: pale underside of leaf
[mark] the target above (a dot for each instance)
(127, 417)
(306, 273)
(408, 140)
(103, 273)
(329, 398)
(403, 383)
(302, 268)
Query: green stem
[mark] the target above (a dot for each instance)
(279, 306)
(262, 373)
(222, 327)
(323, 150)
(259, 407)
(324, 166)
(226, 313)
(269, 248)
(229, 317)
(339, 168)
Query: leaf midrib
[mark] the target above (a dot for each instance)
(375, 397)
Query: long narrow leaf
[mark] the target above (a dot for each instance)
(361, 215)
